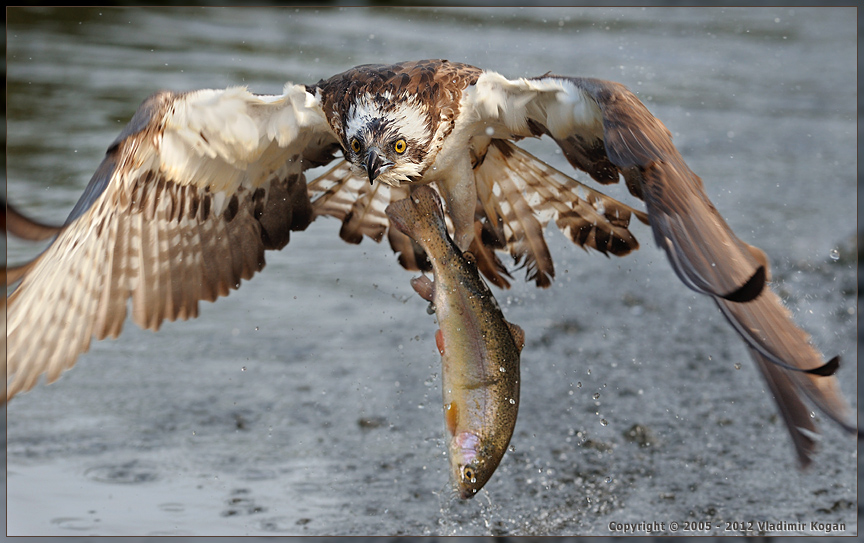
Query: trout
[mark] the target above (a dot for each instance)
(479, 349)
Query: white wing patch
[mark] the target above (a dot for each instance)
(557, 104)
(226, 136)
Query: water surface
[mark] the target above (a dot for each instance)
(309, 402)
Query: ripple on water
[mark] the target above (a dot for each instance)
(77, 524)
(129, 473)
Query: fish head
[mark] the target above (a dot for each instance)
(470, 464)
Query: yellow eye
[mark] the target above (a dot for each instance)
(355, 145)
(400, 146)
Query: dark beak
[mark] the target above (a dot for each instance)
(373, 165)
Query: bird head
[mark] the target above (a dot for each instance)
(387, 139)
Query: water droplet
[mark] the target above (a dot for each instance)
(243, 368)
(512, 401)
(589, 372)
(596, 396)
(608, 479)
(737, 365)
(603, 422)
(579, 384)
(835, 254)
(490, 131)
(256, 328)
(501, 369)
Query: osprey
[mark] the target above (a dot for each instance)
(199, 185)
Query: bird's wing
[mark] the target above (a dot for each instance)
(795, 413)
(767, 326)
(520, 195)
(24, 227)
(21, 226)
(189, 196)
(604, 130)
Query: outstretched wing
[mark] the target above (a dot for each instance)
(182, 208)
(604, 130)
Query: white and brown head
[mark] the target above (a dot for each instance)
(387, 137)
(393, 119)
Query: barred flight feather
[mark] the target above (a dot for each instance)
(524, 194)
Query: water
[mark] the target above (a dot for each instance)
(308, 402)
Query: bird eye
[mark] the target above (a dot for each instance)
(400, 146)
(355, 145)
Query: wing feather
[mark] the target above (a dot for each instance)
(603, 129)
(767, 326)
(534, 194)
(334, 192)
(523, 232)
(24, 227)
(360, 206)
(188, 198)
(795, 414)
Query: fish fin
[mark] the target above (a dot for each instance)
(424, 287)
(518, 335)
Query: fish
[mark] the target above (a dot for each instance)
(480, 351)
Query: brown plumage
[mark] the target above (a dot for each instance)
(199, 185)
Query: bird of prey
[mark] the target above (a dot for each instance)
(200, 184)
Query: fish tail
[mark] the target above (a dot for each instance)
(420, 216)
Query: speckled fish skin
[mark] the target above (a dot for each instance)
(479, 349)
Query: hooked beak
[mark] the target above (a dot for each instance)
(375, 165)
